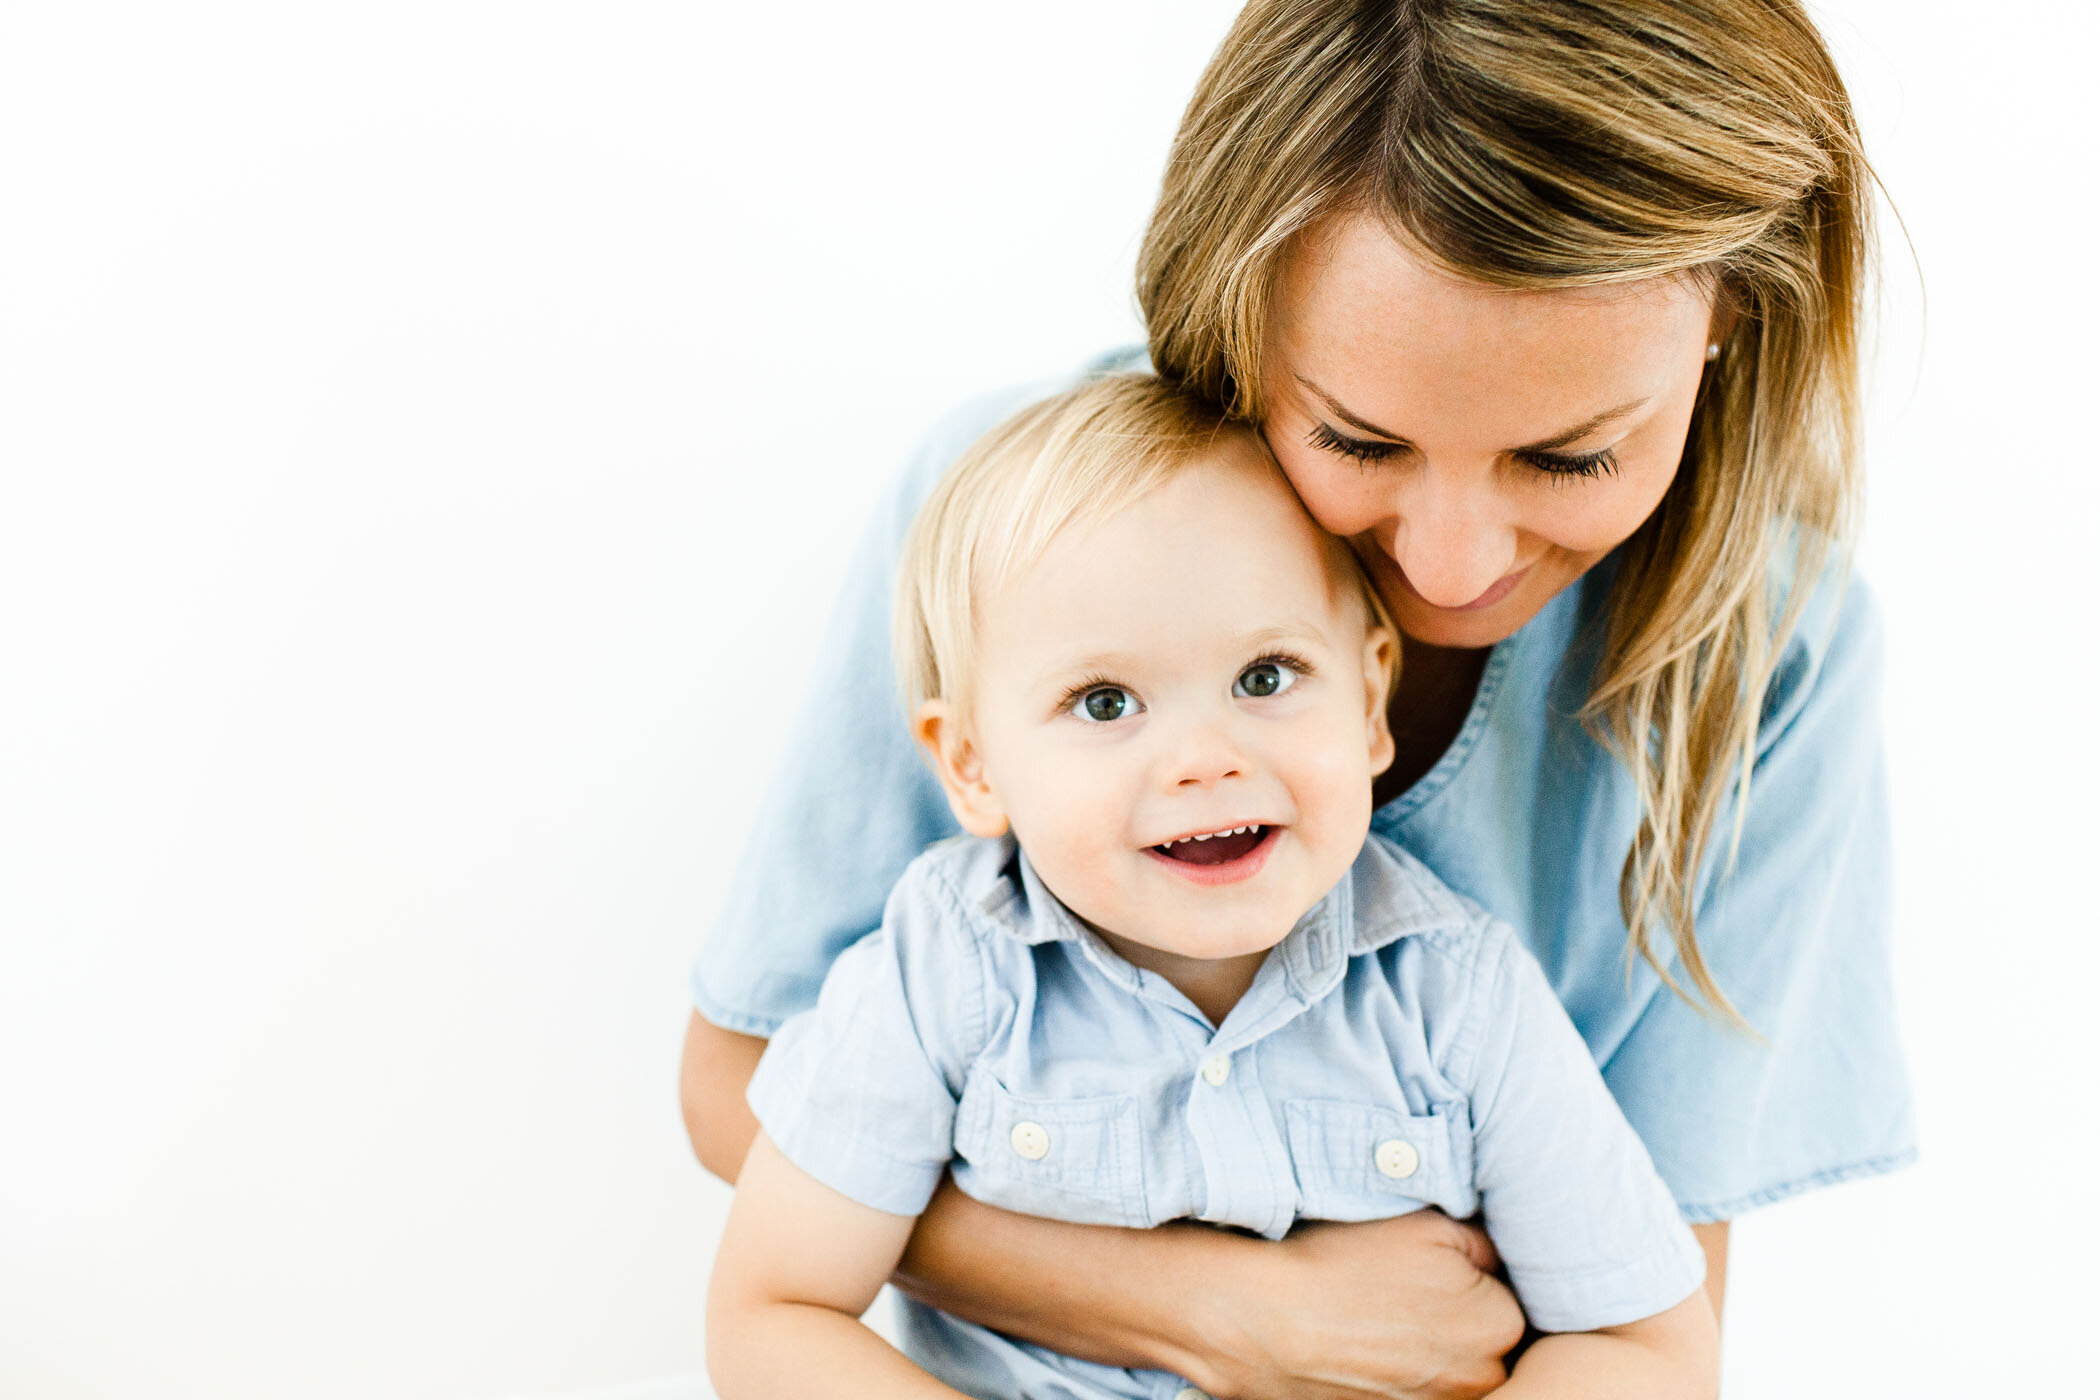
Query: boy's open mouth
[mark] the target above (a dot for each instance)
(1217, 848)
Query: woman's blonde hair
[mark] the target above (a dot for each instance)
(1570, 143)
(1072, 459)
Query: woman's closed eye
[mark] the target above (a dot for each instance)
(1366, 451)
(1584, 464)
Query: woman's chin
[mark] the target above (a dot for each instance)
(1458, 628)
(1473, 627)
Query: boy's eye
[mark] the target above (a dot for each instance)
(1263, 679)
(1105, 703)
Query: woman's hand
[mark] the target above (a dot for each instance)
(1400, 1309)
(1393, 1309)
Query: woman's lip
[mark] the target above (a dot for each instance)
(1501, 588)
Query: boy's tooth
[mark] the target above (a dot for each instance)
(1210, 835)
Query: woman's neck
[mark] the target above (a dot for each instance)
(1436, 690)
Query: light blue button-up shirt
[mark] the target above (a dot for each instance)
(1399, 1049)
(1525, 814)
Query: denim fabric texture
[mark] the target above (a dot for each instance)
(1525, 814)
(1399, 1049)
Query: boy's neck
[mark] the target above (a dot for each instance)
(1215, 985)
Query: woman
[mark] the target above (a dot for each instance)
(1552, 311)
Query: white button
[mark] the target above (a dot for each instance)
(1189, 1392)
(1215, 1069)
(1397, 1159)
(1031, 1141)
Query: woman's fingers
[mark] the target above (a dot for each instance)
(1470, 1240)
(1401, 1309)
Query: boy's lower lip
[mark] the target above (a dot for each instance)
(1230, 872)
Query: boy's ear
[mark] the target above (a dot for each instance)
(1380, 650)
(956, 761)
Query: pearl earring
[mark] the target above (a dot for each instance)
(1713, 351)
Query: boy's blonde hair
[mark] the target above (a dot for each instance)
(1072, 459)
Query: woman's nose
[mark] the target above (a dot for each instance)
(1452, 542)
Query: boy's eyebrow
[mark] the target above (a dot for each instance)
(1560, 439)
(1115, 663)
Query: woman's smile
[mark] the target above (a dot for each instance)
(1496, 592)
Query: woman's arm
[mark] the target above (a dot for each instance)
(1713, 1242)
(1400, 1308)
(717, 1066)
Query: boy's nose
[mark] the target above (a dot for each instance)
(1203, 757)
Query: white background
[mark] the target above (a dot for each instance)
(430, 436)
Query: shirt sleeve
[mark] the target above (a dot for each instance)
(1589, 1232)
(1795, 930)
(860, 1090)
(852, 803)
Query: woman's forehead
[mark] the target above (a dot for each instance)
(1383, 330)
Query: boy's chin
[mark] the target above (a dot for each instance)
(1213, 944)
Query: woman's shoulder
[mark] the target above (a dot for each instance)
(1831, 651)
(1832, 656)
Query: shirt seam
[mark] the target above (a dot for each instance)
(1647, 1263)
(1465, 1046)
(840, 1165)
(720, 1014)
(963, 925)
(1714, 1213)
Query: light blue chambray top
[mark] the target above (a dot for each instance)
(1399, 1049)
(1525, 814)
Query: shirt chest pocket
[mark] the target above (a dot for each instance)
(1362, 1162)
(1077, 1159)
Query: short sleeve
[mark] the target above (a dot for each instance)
(852, 803)
(860, 1090)
(1796, 931)
(1588, 1231)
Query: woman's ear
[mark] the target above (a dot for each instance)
(1381, 650)
(942, 733)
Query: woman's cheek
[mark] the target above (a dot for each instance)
(1615, 508)
(1596, 526)
(1341, 500)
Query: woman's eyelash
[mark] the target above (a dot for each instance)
(1359, 449)
(1365, 451)
(1588, 464)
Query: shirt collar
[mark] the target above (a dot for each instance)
(1386, 896)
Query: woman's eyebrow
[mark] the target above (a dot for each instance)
(1584, 428)
(1560, 439)
(1334, 406)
